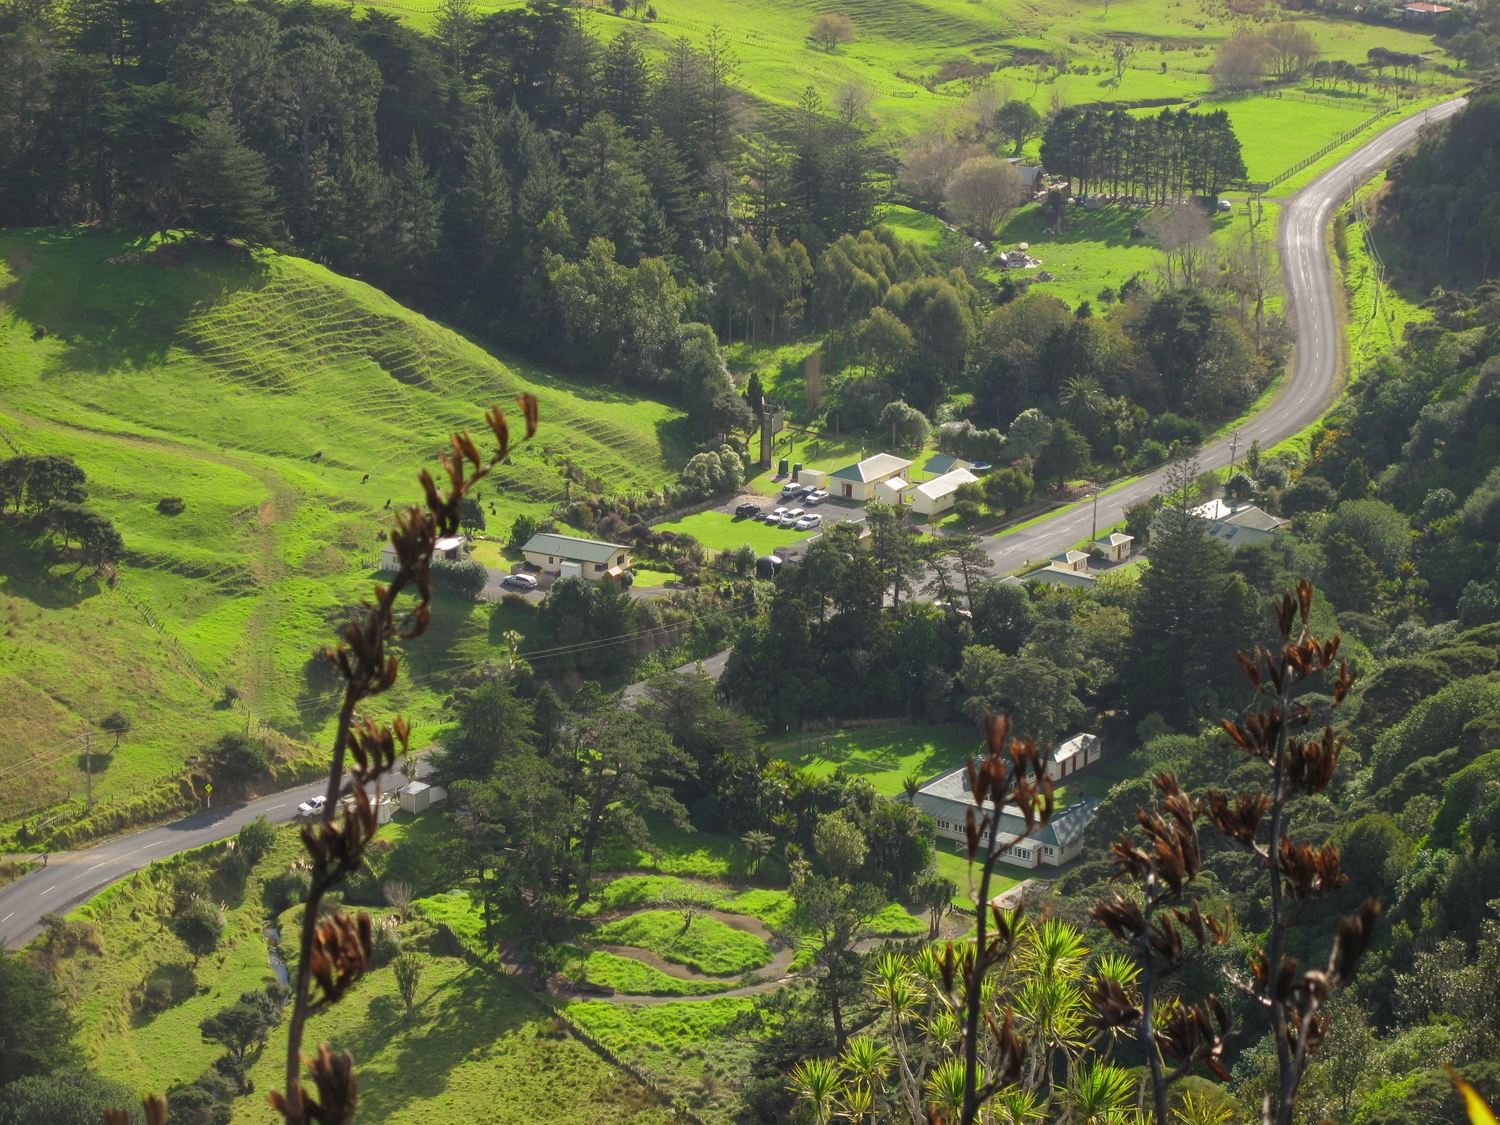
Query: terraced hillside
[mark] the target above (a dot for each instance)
(286, 406)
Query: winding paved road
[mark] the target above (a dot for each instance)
(74, 878)
(1310, 294)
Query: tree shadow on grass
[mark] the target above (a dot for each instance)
(468, 1012)
(32, 571)
(129, 312)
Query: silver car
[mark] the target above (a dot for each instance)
(817, 496)
(791, 518)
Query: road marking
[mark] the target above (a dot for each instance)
(8, 917)
(53, 887)
(96, 865)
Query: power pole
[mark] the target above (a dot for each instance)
(88, 767)
(1234, 445)
(1094, 534)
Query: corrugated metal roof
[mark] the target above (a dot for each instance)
(872, 468)
(567, 547)
(948, 482)
(946, 798)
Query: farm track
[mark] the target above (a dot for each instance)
(1317, 367)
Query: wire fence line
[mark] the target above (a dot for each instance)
(148, 615)
(1329, 147)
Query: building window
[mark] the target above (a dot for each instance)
(550, 559)
(621, 560)
(1048, 851)
(598, 566)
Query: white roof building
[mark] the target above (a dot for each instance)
(936, 495)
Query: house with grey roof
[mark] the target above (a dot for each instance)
(947, 800)
(857, 482)
(942, 463)
(1060, 574)
(1235, 523)
(567, 556)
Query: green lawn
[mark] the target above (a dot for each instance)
(719, 531)
(286, 405)
(883, 756)
(708, 945)
(647, 578)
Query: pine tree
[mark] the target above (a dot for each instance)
(1350, 577)
(484, 200)
(226, 184)
(1191, 613)
(625, 84)
(415, 221)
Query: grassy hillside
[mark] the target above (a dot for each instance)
(287, 406)
(911, 55)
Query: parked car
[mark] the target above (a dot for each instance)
(816, 496)
(774, 519)
(808, 522)
(748, 511)
(519, 581)
(792, 489)
(791, 518)
(310, 809)
(979, 466)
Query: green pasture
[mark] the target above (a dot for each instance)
(286, 406)
(883, 756)
(1275, 133)
(909, 55)
(720, 531)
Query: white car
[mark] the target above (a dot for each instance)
(774, 519)
(311, 809)
(791, 518)
(808, 522)
(817, 496)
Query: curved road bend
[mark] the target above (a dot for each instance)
(1310, 293)
(73, 878)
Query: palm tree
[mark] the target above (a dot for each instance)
(1082, 400)
(758, 844)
